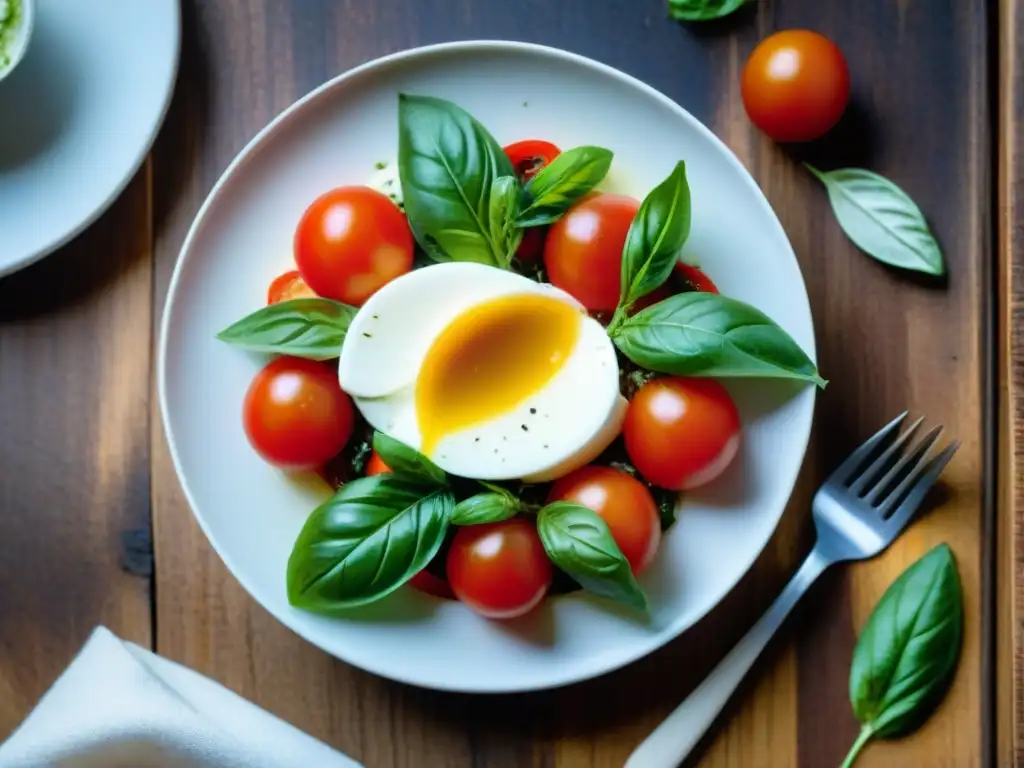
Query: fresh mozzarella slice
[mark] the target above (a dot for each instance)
(490, 374)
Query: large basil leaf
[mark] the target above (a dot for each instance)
(506, 202)
(882, 220)
(486, 508)
(366, 541)
(656, 236)
(312, 328)
(907, 653)
(407, 462)
(706, 334)
(578, 541)
(562, 182)
(447, 164)
(702, 10)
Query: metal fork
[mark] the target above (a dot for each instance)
(861, 508)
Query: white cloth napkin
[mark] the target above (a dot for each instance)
(119, 706)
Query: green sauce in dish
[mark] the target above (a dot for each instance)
(10, 21)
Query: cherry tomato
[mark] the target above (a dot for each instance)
(531, 247)
(500, 570)
(376, 465)
(680, 432)
(529, 156)
(623, 502)
(795, 85)
(583, 250)
(426, 582)
(289, 286)
(295, 415)
(692, 279)
(350, 242)
(684, 278)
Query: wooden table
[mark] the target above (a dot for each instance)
(93, 528)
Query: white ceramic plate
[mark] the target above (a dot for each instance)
(241, 240)
(78, 116)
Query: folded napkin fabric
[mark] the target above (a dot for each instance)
(120, 706)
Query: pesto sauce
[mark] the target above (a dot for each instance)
(10, 22)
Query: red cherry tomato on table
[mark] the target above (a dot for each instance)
(530, 156)
(500, 570)
(795, 85)
(583, 250)
(681, 433)
(350, 242)
(289, 286)
(623, 502)
(295, 414)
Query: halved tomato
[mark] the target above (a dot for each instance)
(530, 155)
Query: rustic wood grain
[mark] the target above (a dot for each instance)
(1010, 572)
(74, 453)
(923, 344)
(886, 341)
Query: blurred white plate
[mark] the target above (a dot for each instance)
(78, 116)
(241, 239)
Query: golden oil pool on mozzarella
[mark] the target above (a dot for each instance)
(451, 359)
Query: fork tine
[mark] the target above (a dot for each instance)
(844, 472)
(876, 466)
(927, 479)
(911, 464)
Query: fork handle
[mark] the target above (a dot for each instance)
(673, 740)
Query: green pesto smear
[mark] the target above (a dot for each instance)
(10, 21)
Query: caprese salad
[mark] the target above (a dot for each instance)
(507, 375)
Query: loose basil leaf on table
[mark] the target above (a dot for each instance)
(703, 10)
(558, 185)
(407, 462)
(706, 334)
(882, 220)
(366, 541)
(656, 236)
(578, 541)
(447, 165)
(908, 651)
(490, 507)
(506, 202)
(312, 328)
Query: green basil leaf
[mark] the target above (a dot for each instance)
(656, 236)
(311, 328)
(485, 508)
(882, 220)
(706, 334)
(907, 653)
(366, 541)
(407, 462)
(578, 541)
(506, 202)
(447, 164)
(702, 10)
(562, 182)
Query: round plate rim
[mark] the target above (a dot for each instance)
(130, 170)
(805, 419)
